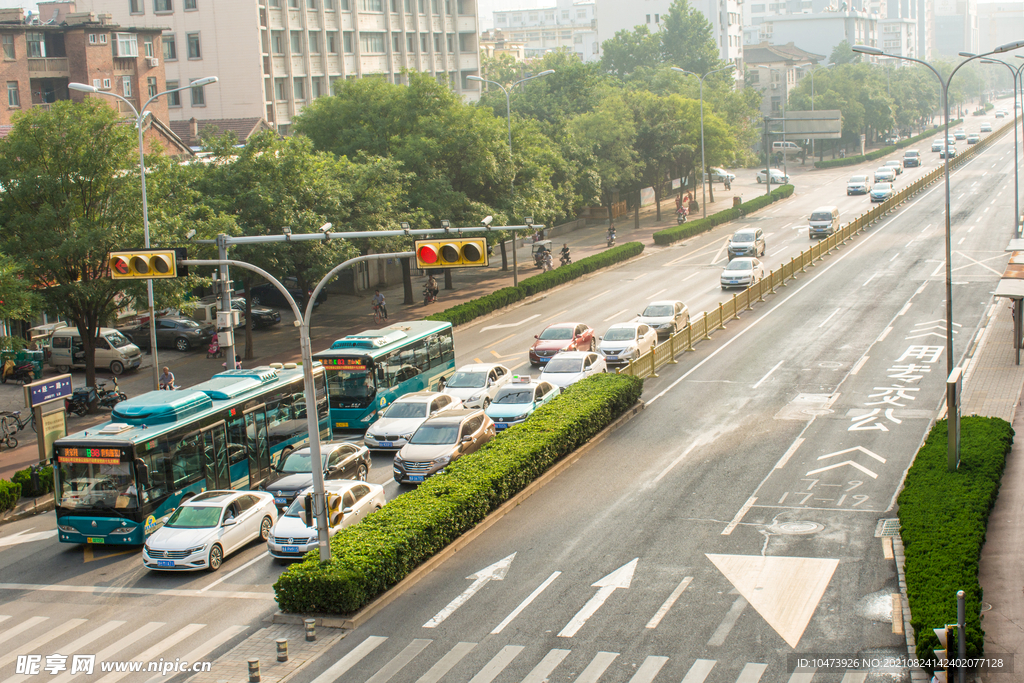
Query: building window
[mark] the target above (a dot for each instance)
(424, 46)
(135, 7)
(451, 42)
(314, 42)
(296, 37)
(190, 5)
(294, 4)
(13, 98)
(198, 95)
(396, 42)
(163, 5)
(332, 42)
(151, 86)
(282, 129)
(394, 6)
(423, 6)
(279, 90)
(277, 42)
(8, 41)
(371, 5)
(126, 44)
(299, 87)
(371, 43)
(310, 4)
(316, 87)
(126, 86)
(173, 98)
(148, 46)
(410, 43)
(435, 7)
(194, 51)
(500, 19)
(36, 45)
(170, 50)
(408, 6)
(275, 3)
(346, 38)
(437, 43)
(329, 5)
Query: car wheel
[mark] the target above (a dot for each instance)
(265, 527)
(182, 344)
(63, 369)
(758, 180)
(252, 325)
(116, 368)
(256, 300)
(362, 473)
(487, 402)
(593, 345)
(216, 557)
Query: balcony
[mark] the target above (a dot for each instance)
(48, 67)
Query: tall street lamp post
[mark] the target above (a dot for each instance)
(703, 163)
(1016, 154)
(139, 120)
(512, 181)
(944, 84)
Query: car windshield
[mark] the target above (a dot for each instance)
(116, 339)
(295, 462)
(406, 409)
(739, 264)
(821, 216)
(186, 323)
(92, 485)
(620, 334)
(515, 395)
(435, 435)
(467, 380)
(910, 154)
(859, 179)
(557, 333)
(194, 517)
(882, 187)
(658, 311)
(740, 237)
(564, 365)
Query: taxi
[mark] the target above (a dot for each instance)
(518, 399)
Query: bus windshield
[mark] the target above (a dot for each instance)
(88, 485)
(350, 388)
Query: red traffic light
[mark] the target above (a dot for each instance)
(120, 265)
(427, 253)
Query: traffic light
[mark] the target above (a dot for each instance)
(307, 510)
(451, 253)
(146, 263)
(334, 510)
(947, 638)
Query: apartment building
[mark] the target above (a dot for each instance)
(822, 32)
(956, 27)
(273, 57)
(567, 25)
(773, 70)
(39, 60)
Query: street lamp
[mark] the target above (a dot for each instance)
(703, 164)
(874, 51)
(1016, 158)
(512, 181)
(139, 119)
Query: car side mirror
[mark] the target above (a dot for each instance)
(467, 438)
(347, 511)
(230, 522)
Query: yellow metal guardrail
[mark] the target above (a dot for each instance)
(700, 328)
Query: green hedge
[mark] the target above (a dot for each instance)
(885, 151)
(372, 556)
(463, 313)
(10, 493)
(24, 478)
(942, 523)
(696, 227)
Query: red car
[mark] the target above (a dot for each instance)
(561, 337)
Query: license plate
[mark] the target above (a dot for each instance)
(416, 477)
(96, 540)
(280, 501)
(341, 424)
(385, 444)
(734, 282)
(500, 425)
(612, 357)
(544, 360)
(165, 563)
(290, 548)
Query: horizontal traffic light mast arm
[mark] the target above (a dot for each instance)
(324, 237)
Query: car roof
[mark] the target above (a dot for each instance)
(338, 486)
(891, 162)
(572, 354)
(562, 325)
(455, 416)
(325, 446)
(741, 231)
(417, 397)
(213, 498)
(479, 367)
(620, 326)
(743, 259)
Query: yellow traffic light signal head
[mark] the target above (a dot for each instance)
(451, 253)
(142, 264)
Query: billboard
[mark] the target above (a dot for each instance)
(821, 124)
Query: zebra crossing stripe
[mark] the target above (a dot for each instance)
(23, 626)
(855, 677)
(802, 676)
(78, 645)
(30, 647)
(109, 652)
(208, 646)
(699, 671)
(594, 670)
(544, 668)
(497, 664)
(154, 652)
(649, 669)
(348, 661)
(751, 673)
(398, 662)
(445, 664)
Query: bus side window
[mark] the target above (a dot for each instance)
(434, 350)
(447, 346)
(158, 470)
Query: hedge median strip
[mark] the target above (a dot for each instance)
(884, 151)
(369, 558)
(691, 228)
(466, 312)
(943, 517)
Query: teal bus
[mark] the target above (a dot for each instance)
(367, 371)
(116, 483)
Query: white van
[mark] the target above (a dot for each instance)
(786, 148)
(113, 350)
(824, 221)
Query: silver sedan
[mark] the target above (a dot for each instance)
(742, 272)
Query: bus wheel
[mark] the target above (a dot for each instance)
(265, 527)
(216, 557)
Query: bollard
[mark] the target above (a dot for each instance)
(282, 649)
(254, 671)
(310, 630)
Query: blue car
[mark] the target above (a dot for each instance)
(517, 400)
(881, 191)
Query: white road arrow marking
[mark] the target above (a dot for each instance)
(506, 325)
(849, 462)
(620, 578)
(863, 469)
(863, 450)
(25, 537)
(496, 572)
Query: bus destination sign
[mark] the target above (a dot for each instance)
(96, 456)
(345, 363)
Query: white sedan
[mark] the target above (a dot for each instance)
(569, 367)
(403, 417)
(291, 538)
(624, 342)
(209, 527)
(884, 175)
(742, 272)
(477, 384)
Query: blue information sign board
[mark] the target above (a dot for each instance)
(49, 390)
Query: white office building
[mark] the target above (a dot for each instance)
(567, 25)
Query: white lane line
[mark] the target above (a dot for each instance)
(894, 257)
(77, 645)
(739, 516)
(698, 673)
(722, 632)
(859, 364)
(152, 653)
(970, 228)
(718, 254)
(556, 315)
(525, 603)
(690, 277)
(398, 662)
(615, 315)
(116, 590)
(789, 453)
(445, 664)
(870, 279)
(112, 650)
(667, 605)
(543, 670)
(201, 652)
(855, 677)
(232, 573)
(830, 315)
(599, 295)
(497, 664)
(674, 463)
(906, 307)
(653, 296)
(925, 229)
(802, 676)
(961, 241)
(600, 662)
(769, 373)
(333, 674)
(884, 334)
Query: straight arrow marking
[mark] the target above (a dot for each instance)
(495, 572)
(620, 578)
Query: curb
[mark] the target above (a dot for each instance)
(362, 616)
(28, 509)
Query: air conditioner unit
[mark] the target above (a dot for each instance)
(153, 61)
(775, 86)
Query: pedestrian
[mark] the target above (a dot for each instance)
(679, 203)
(167, 379)
(378, 300)
(214, 349)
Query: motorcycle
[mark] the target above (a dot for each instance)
(566, 259)
(19, 372)
(680, 216)
(429, 295)
(546, 262)
(108, 398)
(611, 237)
(80, 400)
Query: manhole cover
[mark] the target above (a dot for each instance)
(796, 528)
(807, 406)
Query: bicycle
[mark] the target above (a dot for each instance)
(7, 437)
(15, 423)
(378, 314)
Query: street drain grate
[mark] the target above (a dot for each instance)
(887, 527)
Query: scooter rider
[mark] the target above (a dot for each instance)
(566, 258)
(611, 235)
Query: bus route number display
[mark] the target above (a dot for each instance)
(98, 456)
(345, 363)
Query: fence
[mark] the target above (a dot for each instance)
(700, 329)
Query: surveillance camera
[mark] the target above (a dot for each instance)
(190, 234)
(487, 220)
(326, 228)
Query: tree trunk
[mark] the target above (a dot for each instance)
(448, 278)
(250, 351)
(88, 337)
(711, 186)
(504, 256)
(636, 211)
(407, 280)
(657, 201)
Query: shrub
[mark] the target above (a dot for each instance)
(691, 228)
(370, 557)
(879, 153)
(10, 493)
(463, 313)
(942, 522)
(24, 478)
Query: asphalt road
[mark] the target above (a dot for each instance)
(729, 524)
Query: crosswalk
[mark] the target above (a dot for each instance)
(403, 666)
(109, 640)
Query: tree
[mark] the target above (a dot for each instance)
(631, 51)
(687, 41)
(607, 136)
(16, 300)
(843, 54)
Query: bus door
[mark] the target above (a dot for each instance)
(257, 446)
(215, 457)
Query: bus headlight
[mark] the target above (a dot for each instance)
(67, 529)
(122, 530)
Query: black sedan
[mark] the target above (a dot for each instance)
(294, 471)
(261, 317)
(268, 294)
(182, 334)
